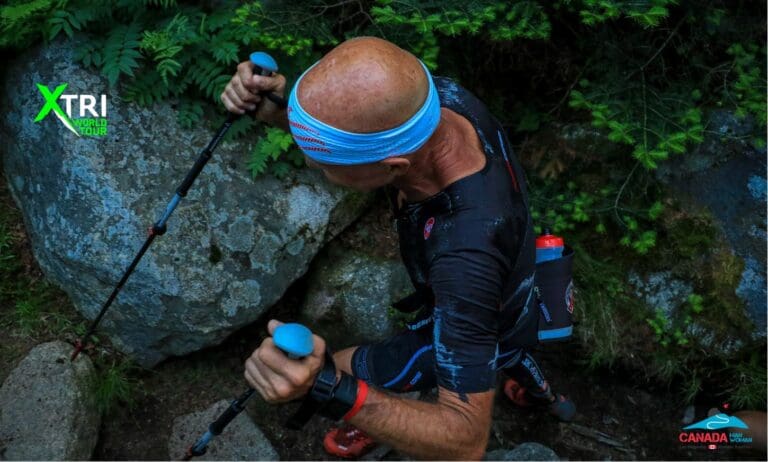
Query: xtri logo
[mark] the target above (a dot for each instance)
(90, 118)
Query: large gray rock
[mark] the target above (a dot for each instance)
(523, 451)
(241, 440)
(660, 290)
(350, 293)
(232, 248)
(47, 410)
(726, 175)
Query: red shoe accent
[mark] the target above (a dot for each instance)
(348, 442)
(516, 393)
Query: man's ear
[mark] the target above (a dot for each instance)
(396, 165)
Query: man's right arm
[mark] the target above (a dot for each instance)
(242, 94)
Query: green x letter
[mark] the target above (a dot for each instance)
(52, 104)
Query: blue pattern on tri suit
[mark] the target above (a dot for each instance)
(469, 251)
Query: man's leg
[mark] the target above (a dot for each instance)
(528, 374)
(527, 386)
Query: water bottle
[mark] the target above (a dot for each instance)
(548, 246)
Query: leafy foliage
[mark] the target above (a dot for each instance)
(121, 52)
(147, 89)
(649, 98)
(164, 45)
(189, 113)
(269, 148)
(114, 385)
(642, 74)
(18, 18)
(747, 93)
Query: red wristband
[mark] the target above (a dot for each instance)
(362, 393)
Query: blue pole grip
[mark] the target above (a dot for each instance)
(263, 64)
(294, 339)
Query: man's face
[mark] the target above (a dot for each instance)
(364, 177)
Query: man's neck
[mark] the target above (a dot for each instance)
(453, 152)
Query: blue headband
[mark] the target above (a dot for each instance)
(326, 144)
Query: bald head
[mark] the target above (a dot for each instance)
(364, 85)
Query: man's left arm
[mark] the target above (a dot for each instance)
(449, 429)
(467, 287)
(455, 427)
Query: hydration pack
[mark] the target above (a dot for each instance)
(554, 297)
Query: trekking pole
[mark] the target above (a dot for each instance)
(296, 341)
(263, 64)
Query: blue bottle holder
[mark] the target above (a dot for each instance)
(554, 294)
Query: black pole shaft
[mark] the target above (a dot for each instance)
(81, 343)
(159, 228)
(217, 426)
(205, 155)
(232, 411)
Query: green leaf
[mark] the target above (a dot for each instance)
(257, 163)
(655, 210)
(147, 89)
(121, 52)
(280, 169)
(189, 113)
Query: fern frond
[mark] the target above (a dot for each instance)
(215, 21)
(271, 147)
(189, 113)
(161, 3)
(89, 52)
(69, 21)
(239, 128)
(121, 52)
(224, 51)
(280, 169)
(147, 89)
(21, 20)
(257, 163)
(210, 77)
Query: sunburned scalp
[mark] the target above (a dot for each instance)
(364, 85)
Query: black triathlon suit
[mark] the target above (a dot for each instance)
(469, 251)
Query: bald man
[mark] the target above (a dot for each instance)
(370, 115)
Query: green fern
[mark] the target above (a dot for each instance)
(239, 128)
(147, 89)
(210, 77)
(645, 13)
(289, 160)
(89, 52)
(269, 148)
(224, 51)
(160, 3)
(215, 21)
(121, 52)
(163, 45)
(69, 21)
(19, 21)
(280, 169)
(189, 113)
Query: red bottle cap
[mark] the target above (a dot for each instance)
(549, 240)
